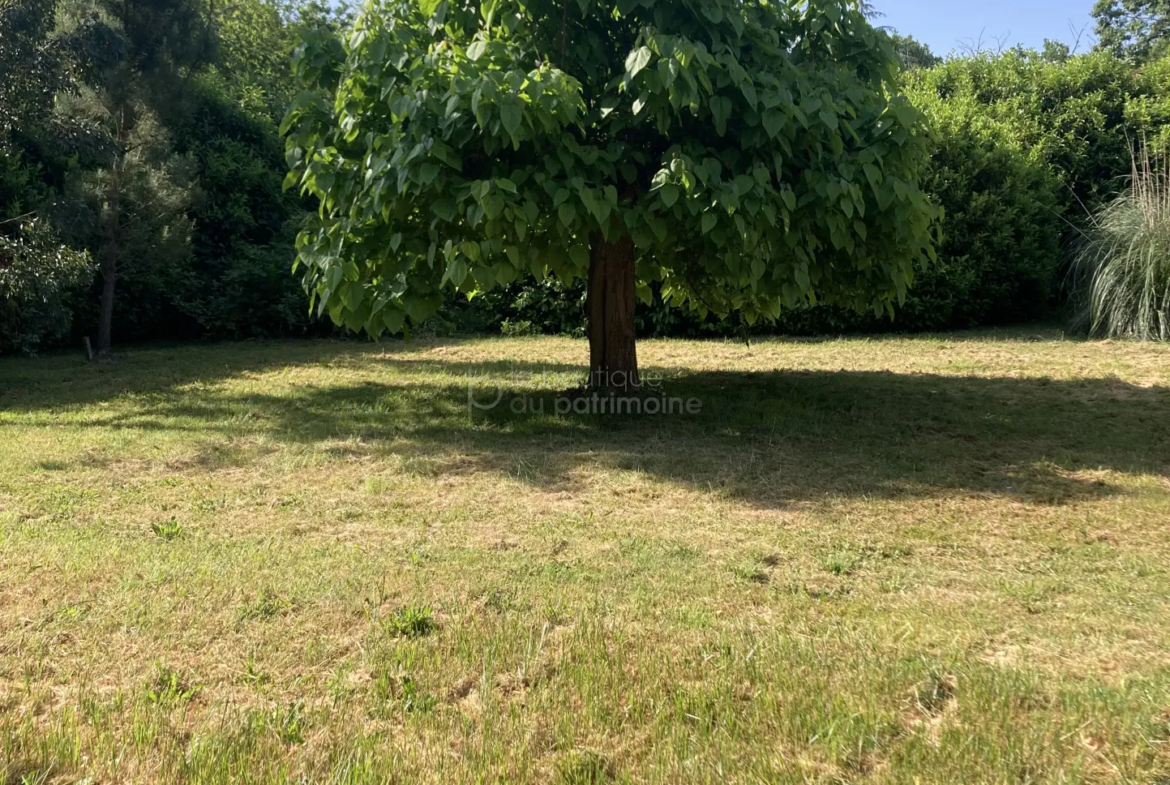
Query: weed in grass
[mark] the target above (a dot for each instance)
(584, 767)
(934, 693)
(267, 605)
(751, 572)
(252, 675)
(287, 722)
(842, 562)
(395, 688)
(167, 530)
(409, 621)
(169, 687)
(341, 688)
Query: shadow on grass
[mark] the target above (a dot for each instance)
(768, 438)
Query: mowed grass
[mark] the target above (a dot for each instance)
(919, 560)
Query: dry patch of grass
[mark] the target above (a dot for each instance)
(875, 560)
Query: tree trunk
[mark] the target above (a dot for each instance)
(109, 264)
(613, 356)
(106, 318)
(109, 251)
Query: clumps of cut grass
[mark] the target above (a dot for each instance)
(170, 687)
(410, 621)
(167, 530)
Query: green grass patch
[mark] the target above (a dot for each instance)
(894, 560)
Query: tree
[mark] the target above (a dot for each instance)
(162, 43)
(746, 156)
(1133, 29)
(912, 53)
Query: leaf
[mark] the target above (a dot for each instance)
(393, 319)
(511, 116)
(476, 50)
(773, 122)
(668, 195)
(720, 110)
(749, 92)
(567, 213)
(456, 271)
(504, 184)
(637, 60)
(493, 206)
(709, 221)
(874, 175)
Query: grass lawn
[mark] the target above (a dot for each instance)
(897, 560)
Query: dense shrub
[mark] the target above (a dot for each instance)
(1001, 233)
(38, 275)
(239, 281)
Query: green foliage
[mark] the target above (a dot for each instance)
(1123, 264)
(410, 621)
(237, 283)
(168, 158)
(1002, 228)
(38, 276)
(1069, 115)
(1133, 29)
(167, 530)
(913, 53)
(169, 687)
(140, 205)
(754, 164)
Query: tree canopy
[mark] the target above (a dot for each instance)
(1133, 29)
(756, 154)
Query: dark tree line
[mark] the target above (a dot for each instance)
(141, 173)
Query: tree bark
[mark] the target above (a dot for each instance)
(106, 318)
(110, 249)
(613, 355)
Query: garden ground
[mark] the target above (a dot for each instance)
(888, 560)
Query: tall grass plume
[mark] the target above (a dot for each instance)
(1123, 263)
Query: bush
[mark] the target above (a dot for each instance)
(1001, 231)
(239, 282)
(38, 275)
(1124, 261)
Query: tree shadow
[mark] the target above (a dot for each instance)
(769, 439)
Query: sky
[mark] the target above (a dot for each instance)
(945, 25)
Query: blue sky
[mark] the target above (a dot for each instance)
(943, 24)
